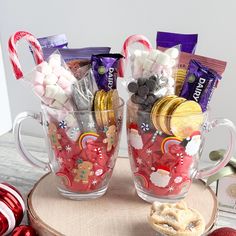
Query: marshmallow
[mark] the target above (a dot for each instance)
(68, 105)
(47, 101)
(50, 79)
(147, 65)
(60, 96)
(56, 105)
(39, 90)
(157, 69)
(70, 120)
(63, 82)
(172, 52)
(51, 90)
(44, 68)
(171, 81)
(54, 60)
(163, 59)
(34, 76)
(153, 54)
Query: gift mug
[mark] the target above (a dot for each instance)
(164, 151)
(82, 151)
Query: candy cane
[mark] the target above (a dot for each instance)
(13, 52)
(137, 38)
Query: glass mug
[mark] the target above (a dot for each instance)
(164, 164)
(82, 151)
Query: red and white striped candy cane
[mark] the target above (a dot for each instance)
(13, 52)
(137, 38)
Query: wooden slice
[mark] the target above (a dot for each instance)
(119, 212)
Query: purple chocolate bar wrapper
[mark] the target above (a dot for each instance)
(53, 42)
(69, 54)
(188, 42)
(199, 84)
(104, 68)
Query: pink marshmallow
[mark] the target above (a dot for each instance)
(63, 82)
(47, 101)
(68, 105)
(39, 90)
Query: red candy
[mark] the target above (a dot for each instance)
(162, 166)
(83, 163)
(24, 230)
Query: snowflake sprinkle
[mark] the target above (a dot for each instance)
(68, 148)
(149, 151)
(94, 182)
(91, 125)
(139, 161)
(171, 189)
(145, 127)
(62, 124)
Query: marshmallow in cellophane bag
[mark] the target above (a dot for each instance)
(153, 75)
(52, 81)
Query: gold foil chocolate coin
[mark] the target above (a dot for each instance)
(186, 118)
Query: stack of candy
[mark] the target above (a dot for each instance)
(82, 117)
(163, 124)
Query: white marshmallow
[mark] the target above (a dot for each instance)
(153, 54)
(172, 52)
(163, 59)
(34, 76)
(70, 120)
(60, 96)
(51, 91)
(54, 60)
(44, 68)
(50, 79)
(161, 92)
(171, 81)
(39, 90)
(56, 105)
(147, 65)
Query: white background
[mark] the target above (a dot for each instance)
(108, 23)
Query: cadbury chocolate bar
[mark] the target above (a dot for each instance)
(188, 42)
(104, 68)
(199, 84)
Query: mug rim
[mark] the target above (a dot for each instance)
(46, 107)
(130, 106)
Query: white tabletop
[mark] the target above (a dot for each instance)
(16, 171)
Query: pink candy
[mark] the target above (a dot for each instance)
(52, 83)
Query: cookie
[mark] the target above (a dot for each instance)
(176, 219)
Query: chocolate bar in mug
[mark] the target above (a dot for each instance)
(199, 84)
(104, 68)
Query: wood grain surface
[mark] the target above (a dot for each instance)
(119, 212)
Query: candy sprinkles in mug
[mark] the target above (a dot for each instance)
(165, 131)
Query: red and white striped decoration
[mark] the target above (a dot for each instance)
(136, 38)
(38, 54)
(12, 208)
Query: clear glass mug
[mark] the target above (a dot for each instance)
(82, 147)
(164, 164)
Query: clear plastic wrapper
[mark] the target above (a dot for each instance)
(52, 81)
(153, 75)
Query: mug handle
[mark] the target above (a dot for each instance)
(18, 139)
(208, 171)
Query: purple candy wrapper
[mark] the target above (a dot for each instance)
(78, 60)
(199, 84)
(104, 68)
(53, 42)
(188, 42)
